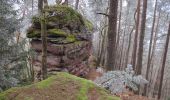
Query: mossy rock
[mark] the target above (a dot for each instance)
(61, 18)
(88, 25)
(61, 86)
(51, 32)
(56, 36)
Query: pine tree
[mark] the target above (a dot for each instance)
(163, 63)
(13, 57)
(112, 30)
(141, 38)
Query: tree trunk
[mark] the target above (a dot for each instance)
(153, 54)
(142, 34)
(129, 45)
(58, 2)
(32, 7)
(158, 73)
(40, 6)
(118, 35)
(150, 48)
(122, 50)
(46, 2)
(126, 30)
(163, 63)
(136, 36)
(112, 30)
(77, 4)
(65, 3)
(44, 41)
(119, 24)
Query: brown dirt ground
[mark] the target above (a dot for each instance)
(64, 92)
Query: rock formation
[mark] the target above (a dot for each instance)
(69, 41)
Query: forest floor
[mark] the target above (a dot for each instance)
(64, 86)
(125, 96)
(131, 96)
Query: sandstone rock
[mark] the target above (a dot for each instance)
(69, 41)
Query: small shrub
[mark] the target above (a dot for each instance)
(117, 81)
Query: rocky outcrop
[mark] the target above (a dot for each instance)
(69, 41)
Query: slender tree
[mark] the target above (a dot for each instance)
(150, 47)
(141, 38)
(158, 73)
(112, 30)
(65, 3)
(32, 7)
(153, 54)
(117, 64)
(46, 2)
(58, 2)
(41, 5)
(77, 4)
(129, 45)
(134, 54)
(163, 63)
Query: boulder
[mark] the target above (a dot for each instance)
(69, 41)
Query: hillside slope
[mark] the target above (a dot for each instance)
(61, 86)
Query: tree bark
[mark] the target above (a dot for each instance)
(163, 63)
(58, 2)
(158, 73)
(40, 6)
(150, 48)
(122, 49)
(46, 2)
(65, 3)
(118, 34)
(142, 34)
(77, 4)
(32, 7)
(112, 30)
(129, 45)
(153, 54)
(134, 54)
(44, 39)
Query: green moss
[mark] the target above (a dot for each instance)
(85, 86)
(63, 80)
(33, 34)
(35, 19)
(88, 25)
(37, 33)
(105, 95)
(46, 83)
(77, 42)
(60, 17)
(57, 32)
(3, 95)
(28, 98)
(71, 38)
(66, 14)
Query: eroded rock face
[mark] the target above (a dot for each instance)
(69, 41)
